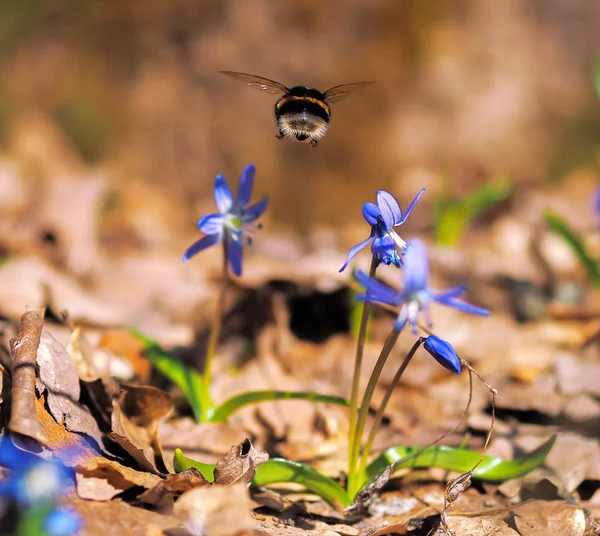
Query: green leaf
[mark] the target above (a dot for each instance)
(560, 228)
(181, 463)
(191, 383)
(277, 470)
(453, 216)
(254, 397)
(596, 76)
(461, 460)
(281, 470)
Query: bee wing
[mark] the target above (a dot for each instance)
(335, 93)
(257, 82)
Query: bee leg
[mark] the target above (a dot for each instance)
(280, 135)
(313, 142)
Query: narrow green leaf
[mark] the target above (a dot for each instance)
(596, 76)
(453, 216)
(188, 380)
(461, 460)
(278, 470)
(255, 397)
(274, 471)
(181, 463)
(560, 228)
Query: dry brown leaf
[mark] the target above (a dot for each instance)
(27, 281)
(24, 348)
(124, 344)
(574, 459)
(109, 474)
(161, 495)
(554, 518)
(239, 464)
(119, 518)
(135, 419)
(216, 511)
(59, 378)
(576, 375)
(467, 526)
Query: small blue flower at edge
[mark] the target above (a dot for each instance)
(232, 221)
(416, 296)
(443, 352)
(596, 201)
(383, 217)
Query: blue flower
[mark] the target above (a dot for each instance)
(596, 201)
(62, 522)
(382, 218)
(232, 221)
(416, 296)
(33, 480)
(443, 352)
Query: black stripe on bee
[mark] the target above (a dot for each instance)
(291, 104)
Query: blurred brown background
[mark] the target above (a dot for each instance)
(466, 89)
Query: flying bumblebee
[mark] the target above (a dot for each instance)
(302, 112)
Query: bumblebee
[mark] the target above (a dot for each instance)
(302, 112)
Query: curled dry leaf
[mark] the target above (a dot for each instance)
(363, 498)
(239, 464)
(23, 419)
(216, 511)
(135, 417)
(60, 381)
(109, 478)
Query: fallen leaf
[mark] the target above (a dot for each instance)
(576, 375)
(216, 511)
(550, 517)
(467, 526)
(239, 464)
(161, 495)
(124, 344)
(58, 376)
(109, 474)
(117, 517)
(135, 418)
(24, 348)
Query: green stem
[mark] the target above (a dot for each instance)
(213, 340)
(360, 344)
(353, 484)
(379, 415)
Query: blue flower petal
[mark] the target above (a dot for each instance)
(453, 292)
(211, 224)
(376, 290)
(234, 256)
(354, 250)
(443, 352)
(223, 195)
(245, 187)
(390, 210)
(464, 306)
(371, 212)
(415, 273)
(201, 245)
(62, 522)
(255, 211)
(411, 206)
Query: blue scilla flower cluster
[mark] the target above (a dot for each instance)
(236, 219)
(415, 296)
(29, 496)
